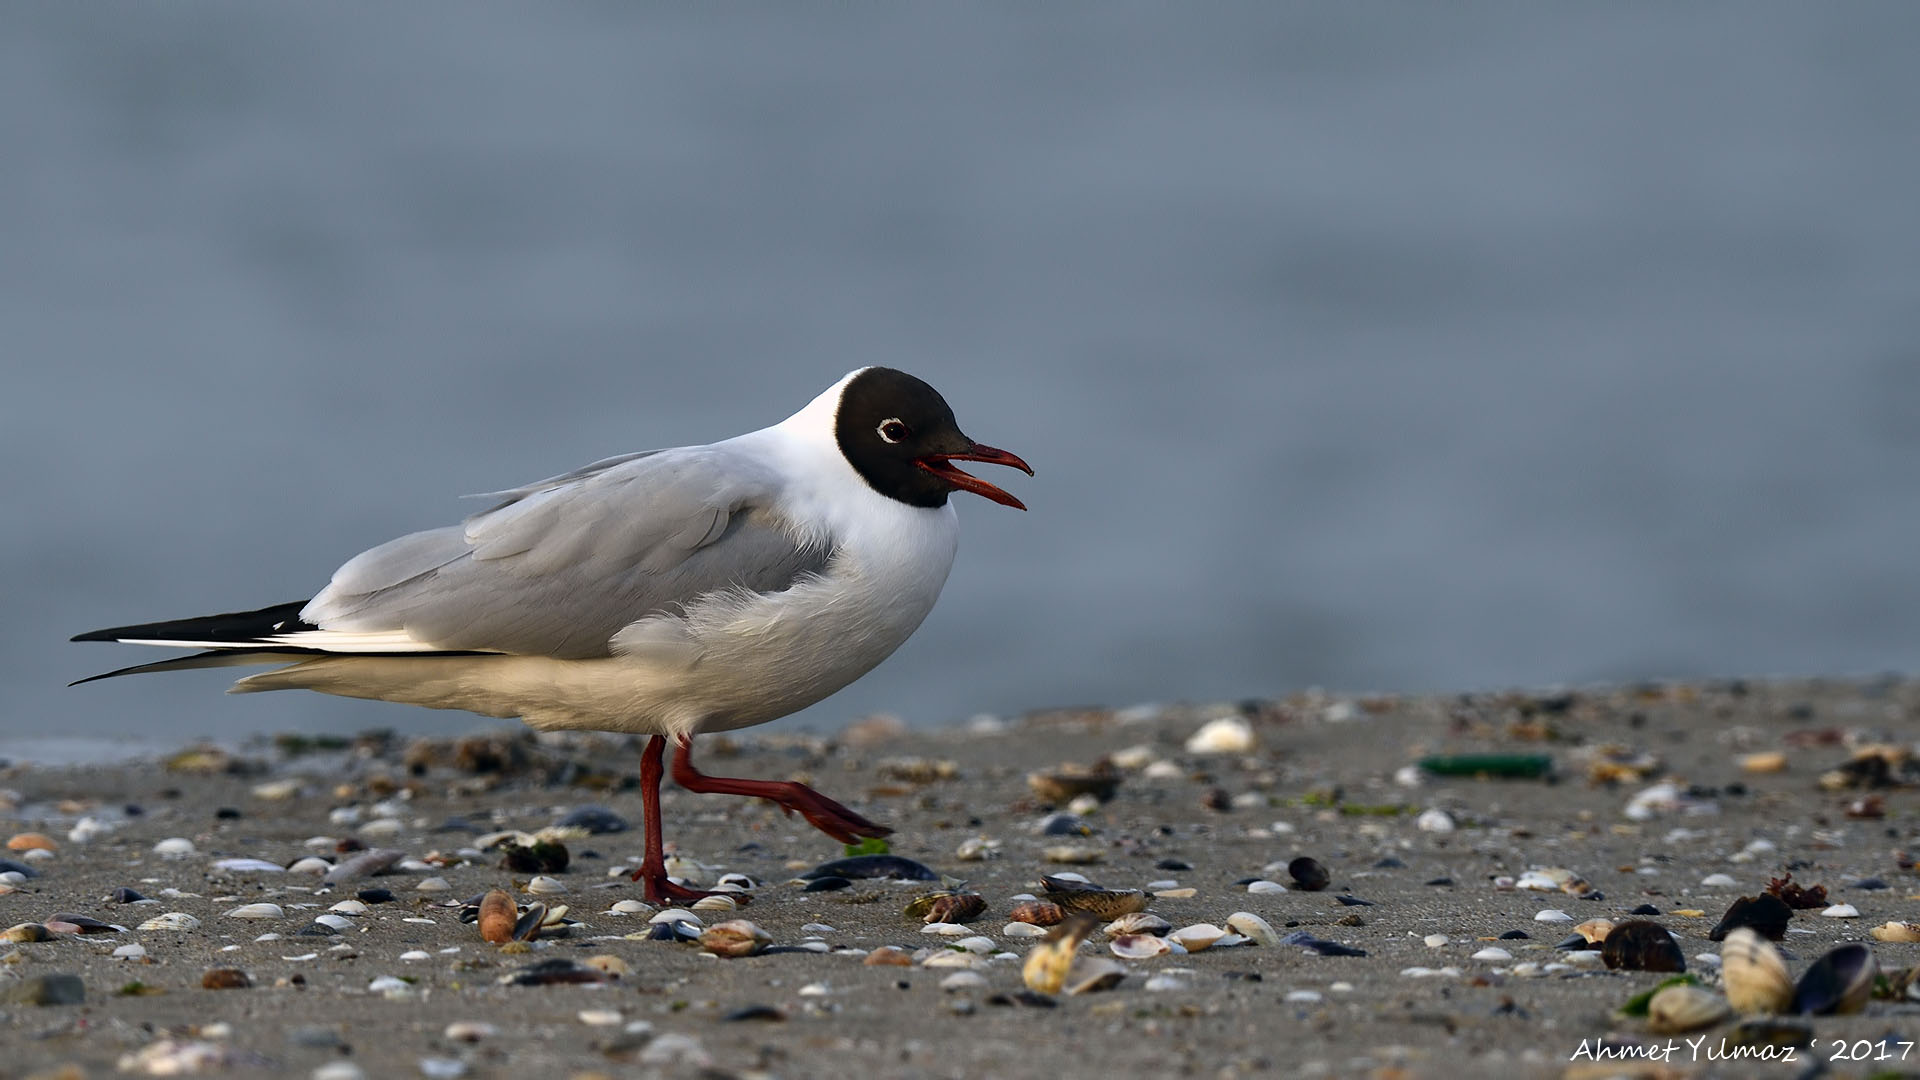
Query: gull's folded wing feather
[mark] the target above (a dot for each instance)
(557, 568)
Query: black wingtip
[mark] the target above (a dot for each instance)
(238, 627)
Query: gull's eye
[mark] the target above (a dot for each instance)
(893, 431)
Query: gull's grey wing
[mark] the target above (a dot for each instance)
(558, 567)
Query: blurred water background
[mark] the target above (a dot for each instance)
(1366, 346)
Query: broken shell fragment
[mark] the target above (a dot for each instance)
(1139, 922)
(497, 916)
(172, 920)
(1683, 1008)
(1068, 782)
(1090, 974)
(1754, 974)
(1897, 931)
(735, 937)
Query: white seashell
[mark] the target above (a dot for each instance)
(978, 945)
(172, 920)
(1137, 756)
(381, 827)
(1227, 735)
(249, 866)
(1537, 881)
(1164, 883)
(542, 885)
(627, 907)
(1255, 928)
(310, 864)
(1526, 970)
(1435, 820)
(1198, 937)
(1065, 875)
(339, 1070)
(949, 929)
(1409, 776)
(1493, 955)
(952, 958)
(345, 815)
(977, 849)
(1163, 770)
(1719, 881)
(674, 914)
(1185, 893)
(338, 922)
(257, 911)
(416, 954)
(389, 984)
(964, 980)
(1435, 941)
(1683, 1008)
(1023, 930)
(600, 1017)
(1303, 997)
(1841, 911)
(350, 907)
(174, 847)
(1583, 958)
(276, 790)
(1551, 915)
(433, 884)
(1753, 973)
(705, 903)
(1265, 887)
(130, 952)
(1163, 982)
(1137, 922)
(469, 1031)
(1139, 946)
(1083, 804)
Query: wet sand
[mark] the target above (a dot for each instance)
(1326, 777)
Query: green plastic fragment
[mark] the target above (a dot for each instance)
(1513, 766)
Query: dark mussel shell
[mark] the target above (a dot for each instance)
(894, 867)
(1640, 945)
(1767, 914)
(1839, 982)
(1307, 873)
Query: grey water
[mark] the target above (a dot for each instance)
(1376, 347)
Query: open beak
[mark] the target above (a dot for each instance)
(940, 466)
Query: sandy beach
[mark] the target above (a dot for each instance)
(1660, 796)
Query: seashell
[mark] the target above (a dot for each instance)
(1090, 974)
(1037, 912)
(1437, 941)
(336, 922)
(31, 841)
(172, 920)
(1139, 922)
(1841, 911)
(311, 864)
(1770, 761)
(1106, 904)
(1839, 982)
(1896, 931)
(1553, 915)
(1263, 887)
(888, 956)
(1435, 820)
(1198, 937)
(1023, 930)
(736, 883)
(977, 945)
(1307, 873)
(1719, 881)
(363, 864)
(557, 971)
(542, 885)
(531, 922)
(174, 847)
(957, 908)
(735, 937)
(497, 917)
(469, 1031)
(1227, 735)
(1639, 945)
(225, 978)
(716, 902)
(947, 929)
(1069, 782)
(25, 932)
(74, 923)
(1139, 946)
(1046, 967)
(1254, 928)
(134, 951)
(607, 964)
(1754, 974)
(1767, 914)
(1594, 931)
(1685, 1008)
(862, 867)
(675, 915)
(952, 958)
(248, 866)
(1073, 854)
(1492, 955)
(977, 849)
(964, 980)
(627, 907)
(257, 911)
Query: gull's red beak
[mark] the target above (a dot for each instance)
(938, 465)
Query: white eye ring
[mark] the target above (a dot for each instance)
(893, 421)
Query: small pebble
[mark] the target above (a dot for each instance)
(1434, 821)
(174, 847)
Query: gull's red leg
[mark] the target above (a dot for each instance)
(826, 815)
(653, 865)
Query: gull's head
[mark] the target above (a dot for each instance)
(899, 434)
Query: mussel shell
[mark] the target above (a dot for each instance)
(1839, 982)
(1767, 914)
(1308, 874)
(894, 867)
(528, 925)
(1640, 945)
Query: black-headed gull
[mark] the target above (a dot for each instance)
(665, 593)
